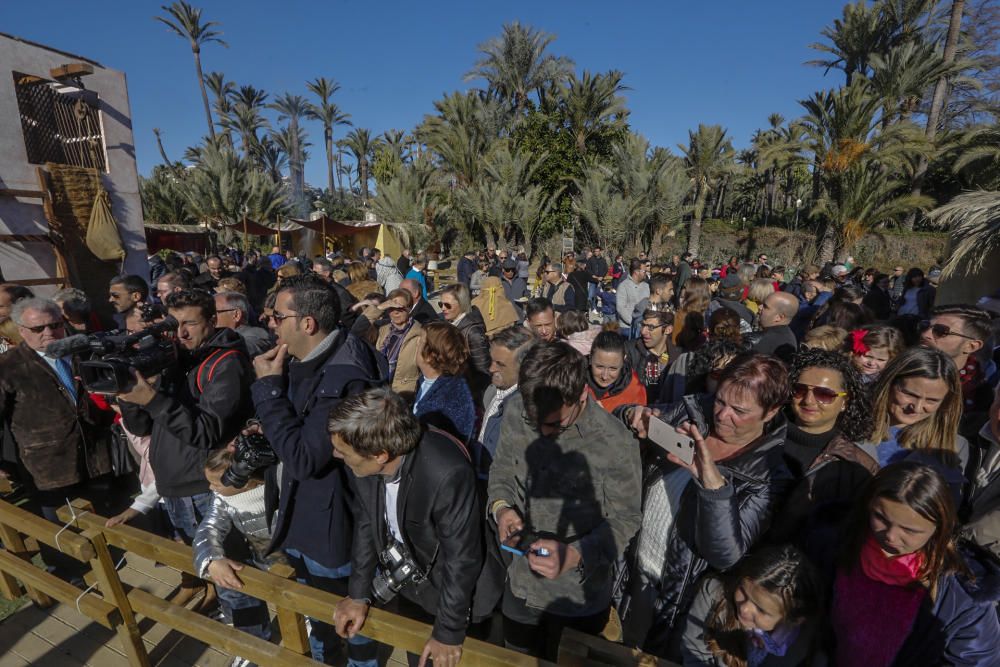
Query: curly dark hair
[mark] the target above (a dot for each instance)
(706, 358)
(855, 422)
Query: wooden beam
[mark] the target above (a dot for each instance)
(215, 634)
(111, 588)
(90, 605)
(45, 531)
(14, 192)
(71, 70)
(294, 636)
(14, 545)
(26, 238)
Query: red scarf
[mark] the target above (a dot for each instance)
(892, 570)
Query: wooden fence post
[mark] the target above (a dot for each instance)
(111, 588)
(292, 624)
(15, 546)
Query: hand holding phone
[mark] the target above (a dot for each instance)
(520, 543)
(671, 440)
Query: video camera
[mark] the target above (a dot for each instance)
(253, 452)
(114, 353)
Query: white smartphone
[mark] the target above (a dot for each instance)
(667, 437)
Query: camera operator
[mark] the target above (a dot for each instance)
(419, 523)
(189, 412)
(314, 524)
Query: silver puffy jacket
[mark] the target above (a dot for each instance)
(221, 518)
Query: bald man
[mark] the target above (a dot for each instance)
(776, 337)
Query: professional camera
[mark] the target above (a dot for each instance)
(253, 452)
(113, 354)
(397, 569)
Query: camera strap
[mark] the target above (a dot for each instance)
(201, 367)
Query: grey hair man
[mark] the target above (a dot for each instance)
(507, 350)
(232, 310)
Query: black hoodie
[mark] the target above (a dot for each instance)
(187, 421)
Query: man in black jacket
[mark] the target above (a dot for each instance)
(416, 501)
(193, 411)
(776, 337)
(421, 311)
(597, 269)
(466, 267)
(314, 524)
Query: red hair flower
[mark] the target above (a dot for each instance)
(858, 346)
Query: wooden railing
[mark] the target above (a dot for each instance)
(115, 605)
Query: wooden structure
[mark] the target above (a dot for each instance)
(128, 610)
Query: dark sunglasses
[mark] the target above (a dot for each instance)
(446, 306)
(942, 330)
(823, 395)
(51, 326)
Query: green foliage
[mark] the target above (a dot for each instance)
(163, 199)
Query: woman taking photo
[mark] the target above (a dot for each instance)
(872, 347)
(828, 419)
(707, 514)
(902, 595)
(916, 410)
(443, 398)
(612, 381)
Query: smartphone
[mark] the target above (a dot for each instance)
(667, 437)
(519, 544)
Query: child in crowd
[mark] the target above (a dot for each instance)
(246, 510)
(763, 614)
(904, 594)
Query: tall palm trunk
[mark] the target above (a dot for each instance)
(937, 102)
(328, 140)
(363, 178)
(694, 236)
(204, 92)
(340, 175)
(827, 243)
(159, 145)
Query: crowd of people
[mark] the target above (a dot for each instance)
(506, 465)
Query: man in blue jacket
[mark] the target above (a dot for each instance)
(314, 523)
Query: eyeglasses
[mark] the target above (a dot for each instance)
(229, 310)
(942, 330)
(51, 326)
(651, 327)
(279, 318)
(823, 395)
(446, 306)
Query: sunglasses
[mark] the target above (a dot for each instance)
(446, 306)
(942, 330)
(823, 395)
(51, 326)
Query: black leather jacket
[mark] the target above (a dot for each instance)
(441, 518)
(712, 529)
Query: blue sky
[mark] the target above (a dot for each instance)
(730, 61)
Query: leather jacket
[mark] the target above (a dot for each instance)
(712, 529)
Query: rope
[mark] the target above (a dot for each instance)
(73, 517)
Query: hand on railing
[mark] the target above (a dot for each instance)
(223, 572)
(349, 617)
(440, 655)
(124, 517)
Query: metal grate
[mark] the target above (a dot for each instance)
(58, 123)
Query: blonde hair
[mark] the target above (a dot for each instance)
(826, 337)
(760, 289)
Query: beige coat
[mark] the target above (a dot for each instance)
(404, 380)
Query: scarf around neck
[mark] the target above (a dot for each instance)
(892, 570)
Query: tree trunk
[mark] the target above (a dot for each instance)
(694, 235)
(328, 140)
(937, 102)
(827, 243)
(204, 93)
(340, 175)
(363, 178)
(159, 145)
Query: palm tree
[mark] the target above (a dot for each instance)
(247, 121)
(185, 21)
(461, 133)
(708, 155)
(330, 115)
(515, 63)
(940, 93)
(362, 145)
(591, 104)
(159, 144)
(294, 108)
(974, 220)
(271, 157)
(223, 91)
(853, 39)
(162, 197)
